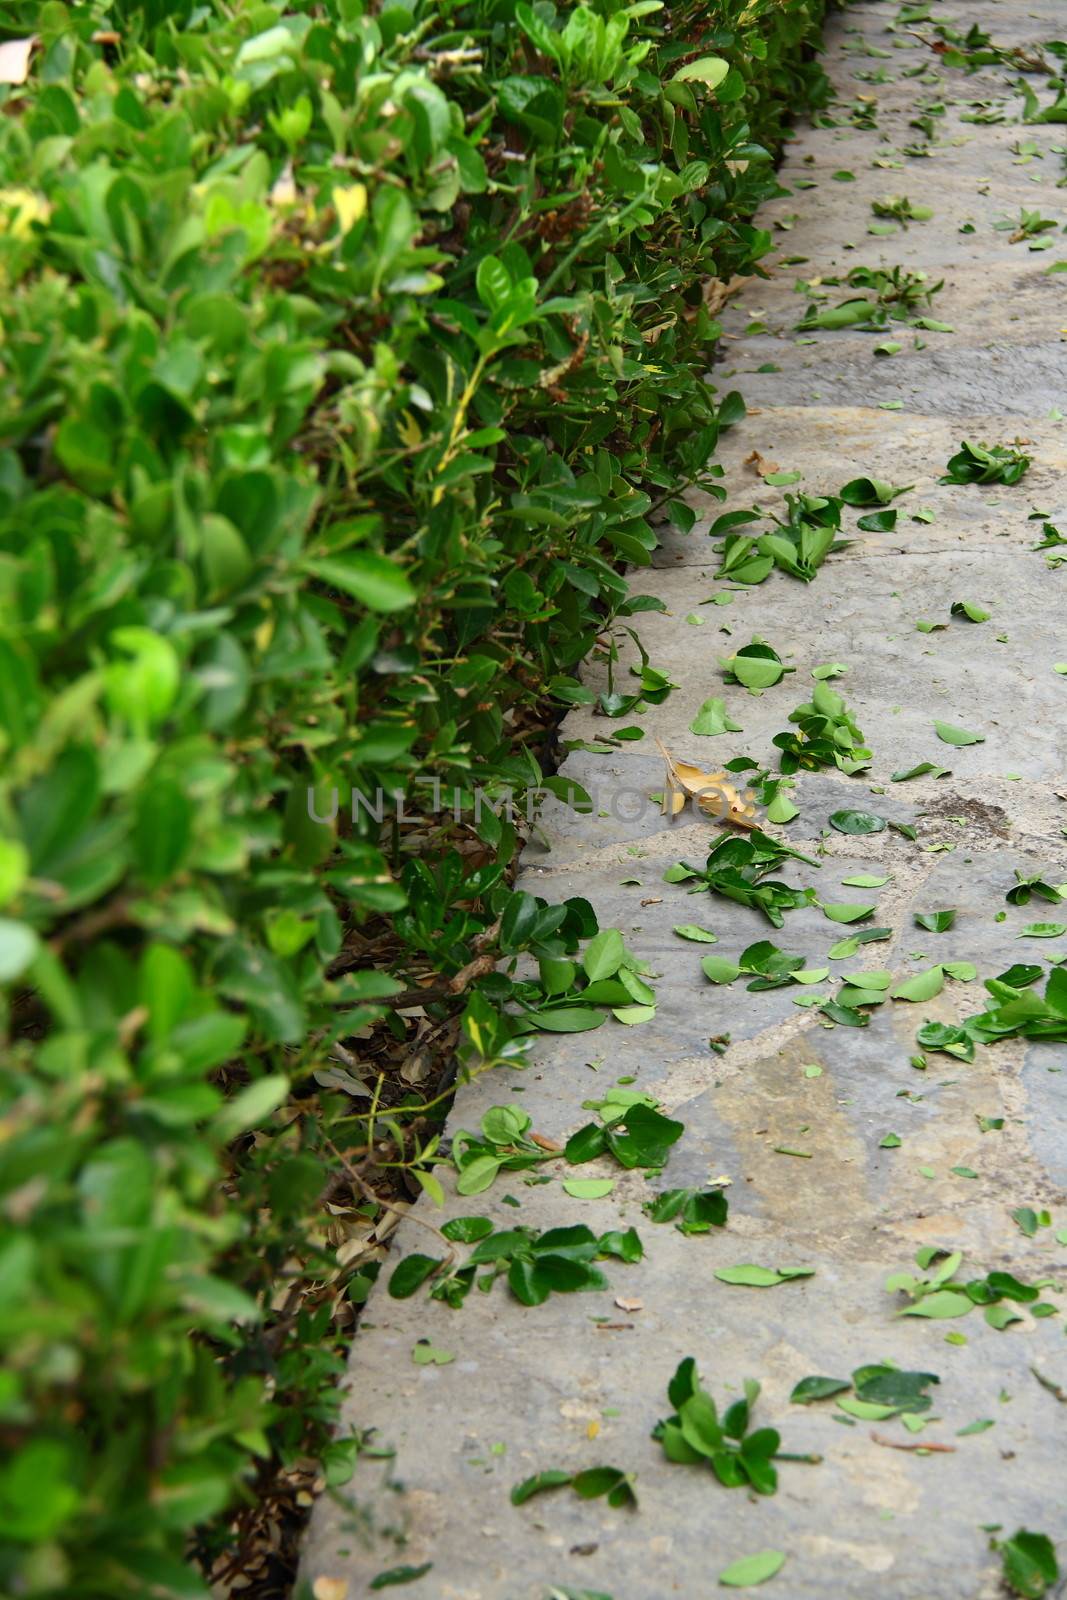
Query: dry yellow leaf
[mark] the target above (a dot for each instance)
(330, 1589)
(350, 204)
(712, 791)
(19, 210)
(592, 1430)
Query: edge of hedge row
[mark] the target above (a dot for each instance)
(348, 356)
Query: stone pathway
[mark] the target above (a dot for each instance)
(577, 1382)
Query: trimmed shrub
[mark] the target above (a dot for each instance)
(348, 356)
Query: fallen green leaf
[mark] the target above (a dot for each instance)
(957, 736)
(755, 1277)
(751, 1570)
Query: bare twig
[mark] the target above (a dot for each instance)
(926, 1449)
(369, 1194)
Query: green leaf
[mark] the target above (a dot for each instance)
(870, 492)
(942, 1303)
(594, 1482)
(250, 1107)
(878, 521)
(18, 946)
(86, 455)
(648, 1137)
(712, 718)
(751, 1570)
(923, 769)
(604, 955)
(848, 947)
(865, 1410)
(709, 70)
(957, 736)
(588, 1188)
(690, 930)
(1001, 1317)
(923, 986)
(410, 1273)
(426, 1354)
(630, 1016)
(875, 979)
(754, 672)
(375, 581)
(781, 809)
(693, 1210)
(978, 463)
(568, 1019)
(755, 1277)
(626, 1245)
(549, 1478)
(700, 1424)
(1042, 930)
(847, 911)
(848, 314)
(719, 970)
(467, 1230)
(817, 1388)
(477, 1174)
(393, 1576)
(589, 1142)
(857, 822)
(884, 1385)
(935, 921)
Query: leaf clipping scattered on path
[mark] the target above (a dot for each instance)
(713, 791)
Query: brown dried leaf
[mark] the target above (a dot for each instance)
(760, 464)
(715, 293)
(925, 1449)
(629, 1305)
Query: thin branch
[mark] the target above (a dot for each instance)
(368, 1194)
(898, 1444)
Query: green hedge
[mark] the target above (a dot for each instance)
(348, 354)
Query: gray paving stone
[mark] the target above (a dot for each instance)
(579, 1380)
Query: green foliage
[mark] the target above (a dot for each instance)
(986, 463)
(827, 735)
(1030, 1563)
(346, 359)
(737, 868)
(737, 1454)
(536, 1265)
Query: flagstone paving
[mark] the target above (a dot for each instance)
(579, 1381)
